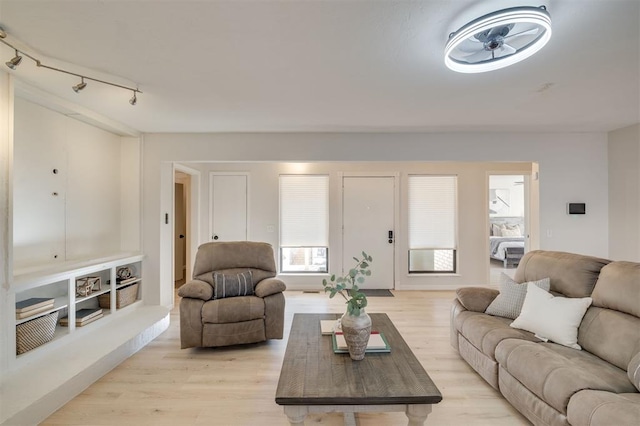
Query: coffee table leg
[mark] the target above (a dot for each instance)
(417, 414)
(296, 414)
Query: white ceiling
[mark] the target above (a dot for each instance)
(228, 66)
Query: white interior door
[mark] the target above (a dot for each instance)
(368, 219)
(228, 195)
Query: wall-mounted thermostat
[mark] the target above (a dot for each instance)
(576, 208)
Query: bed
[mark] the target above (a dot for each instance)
(506, 240)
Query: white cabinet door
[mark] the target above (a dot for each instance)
(368, 218)
(228, 196)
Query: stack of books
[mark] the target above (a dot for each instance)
(33, 306)
(83, 317)
(377, 343)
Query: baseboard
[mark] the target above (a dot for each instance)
(36, 390)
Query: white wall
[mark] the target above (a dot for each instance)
(573, 166)
(516, 193)
(624, 194)
(79, 222)
(6, 302)
(264, 214)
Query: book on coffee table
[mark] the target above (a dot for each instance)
(328, 327)
(377, 343)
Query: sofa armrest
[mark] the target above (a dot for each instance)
(269, 286)
(476, 299)
(196, 289)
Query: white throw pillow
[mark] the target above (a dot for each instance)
(509, 302)
(552, 318)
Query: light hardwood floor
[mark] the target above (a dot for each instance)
(164, 385)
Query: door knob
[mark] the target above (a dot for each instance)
(215, 237)
(390, 237)
(181, 236)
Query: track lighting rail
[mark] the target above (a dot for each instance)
(13, 64)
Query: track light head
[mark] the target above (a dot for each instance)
(134, 99)
(78, 87)
(14, 62)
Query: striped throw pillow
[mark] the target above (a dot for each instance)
(232, 285)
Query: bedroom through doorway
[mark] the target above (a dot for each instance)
(507, 224)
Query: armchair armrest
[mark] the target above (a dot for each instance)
(476, 299)
(269, 286)
(196, 289)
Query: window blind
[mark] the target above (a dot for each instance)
(432, 212)
(304, 210)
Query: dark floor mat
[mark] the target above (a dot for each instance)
(377, 293)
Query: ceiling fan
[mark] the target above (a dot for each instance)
(498, 39)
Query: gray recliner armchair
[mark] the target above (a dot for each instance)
(234, 297)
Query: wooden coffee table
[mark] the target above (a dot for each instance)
(315, 380)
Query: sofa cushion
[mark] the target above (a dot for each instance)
(598, 408)
(485, 331)
(233, 309)
(509, 302)
(613, 336)
(232, 285)
(572, 275)
(554, 372)
(618, 288)
(552, 318)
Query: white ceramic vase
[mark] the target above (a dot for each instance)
(356, 330)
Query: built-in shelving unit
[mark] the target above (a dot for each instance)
(59, 283)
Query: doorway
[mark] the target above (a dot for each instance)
(182, 184)
(368, 221)
(508, 223)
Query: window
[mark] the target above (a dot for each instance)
(304, 223)
(432, 224)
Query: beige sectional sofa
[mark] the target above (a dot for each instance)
(552, 384)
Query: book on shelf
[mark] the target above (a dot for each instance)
(120, 281)
(377, 343)
(32, 312)
(33, 303)
(90, 320)
(83, 316)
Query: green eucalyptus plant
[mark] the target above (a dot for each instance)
(348, 285)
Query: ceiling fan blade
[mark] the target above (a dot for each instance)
(469, 46)
(531, 31)
(505, 50)
(480, 56)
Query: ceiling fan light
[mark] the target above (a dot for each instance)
(14, 62)
(536, 17)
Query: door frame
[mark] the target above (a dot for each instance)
(396, 219)
(192, 215)
(248, 200)
(531, 210)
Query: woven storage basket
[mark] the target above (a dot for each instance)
(38, 331)
(124, 296)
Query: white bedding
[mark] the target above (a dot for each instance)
(497, 245)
